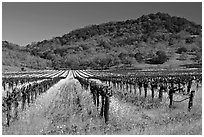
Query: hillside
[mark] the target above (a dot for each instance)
(15, 57)
(150, 39)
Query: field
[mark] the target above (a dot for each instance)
(13, 68)
(67, 106)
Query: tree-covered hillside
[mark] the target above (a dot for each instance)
(14, 55)
(150, 39)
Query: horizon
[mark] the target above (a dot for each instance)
(27, 22)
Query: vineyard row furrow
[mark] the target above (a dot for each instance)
(103, 84)
(24, 88)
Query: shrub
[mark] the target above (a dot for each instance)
(160, 58)
(181, 49)
(139, 57)
(183, 56)
(198, 57)
(23, 69)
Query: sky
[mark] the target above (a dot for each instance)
(23, 23)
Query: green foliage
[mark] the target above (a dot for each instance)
(110, 44)
(181, 49)
(183, 56)
(146, 26)
(159, 58)
(139, 57)
(198, 57)
(104, 44)
(11, 46)
(22, 59)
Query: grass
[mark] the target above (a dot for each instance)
(14, 68)
(159, 119)
(172, 63)
(69, 109)
(64, 109)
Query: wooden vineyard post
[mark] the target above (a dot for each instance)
(189, 86)
(117, 87)
(160, 94)
(43, 89)
(121, 85)
(16, 107)
(32, 94)
(106, 109)
(23, 98)
(114, 84)
(140, 90)
(12, 85)
(89, 87)
(7, 92)
(190, 103)
(152, 92)
(4, 85)
(109, 82)
(126, 87)
(153, 87)
(135, 89)
(102, 106)
(28, 96)
(117, 84)
(8, 111)
(197, 84)
(171, 92)
(145, 89)
(47, 86)
(36, 92)
(97, 99)
(82, 86)
(94, 97)
(131, 90)
(39, 89)
(179, 86)
(140, 87)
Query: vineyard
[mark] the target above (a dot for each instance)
(110, 96)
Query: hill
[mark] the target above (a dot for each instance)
(15, 57)
(150, 39)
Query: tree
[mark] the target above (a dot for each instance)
(56, 61)
(23, 69)
(161, 57)
(198, 57)
(139, 57)
(104, 44)
(181, 49)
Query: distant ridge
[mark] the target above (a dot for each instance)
(119, 42)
